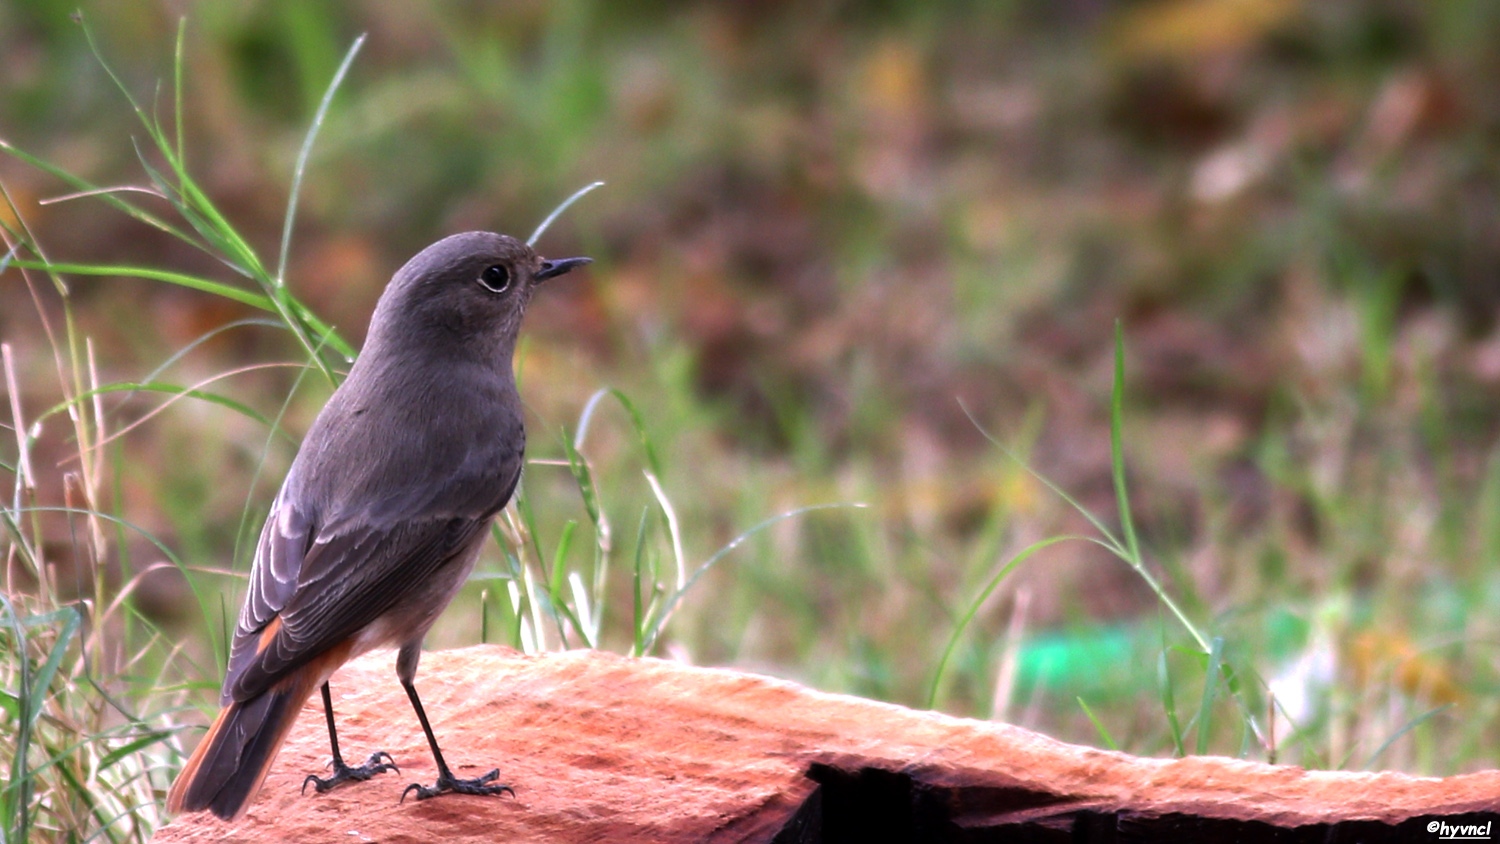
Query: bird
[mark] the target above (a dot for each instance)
(381, 515)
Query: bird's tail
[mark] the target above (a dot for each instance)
(231, 762)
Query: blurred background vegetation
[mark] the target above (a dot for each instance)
(853, 252)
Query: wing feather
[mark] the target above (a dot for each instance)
(327, 583)
(349, 582)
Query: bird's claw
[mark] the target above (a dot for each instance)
(446, 784)
(343, 773)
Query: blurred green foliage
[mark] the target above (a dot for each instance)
(824, 225)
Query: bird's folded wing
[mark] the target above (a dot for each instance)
(298, 609)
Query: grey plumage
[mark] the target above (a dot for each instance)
(382, 514)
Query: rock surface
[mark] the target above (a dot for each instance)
(604, 748)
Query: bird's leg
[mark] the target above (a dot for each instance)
(446, 782)
(342, 772)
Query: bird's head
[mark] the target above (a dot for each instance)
(467, 292)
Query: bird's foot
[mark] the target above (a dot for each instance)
(446, 782)
(343, 773)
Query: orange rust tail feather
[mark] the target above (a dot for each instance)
(232, 760)
(189, 772)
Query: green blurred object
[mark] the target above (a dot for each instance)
(1081, 662)
(1105, 661)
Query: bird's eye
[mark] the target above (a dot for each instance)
(495, 278)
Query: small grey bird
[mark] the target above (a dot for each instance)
(380, 519)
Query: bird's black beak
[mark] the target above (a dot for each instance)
(552, 269)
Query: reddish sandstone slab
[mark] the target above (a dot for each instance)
(603, 748)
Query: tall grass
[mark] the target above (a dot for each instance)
(1125, 546)
(90, 693)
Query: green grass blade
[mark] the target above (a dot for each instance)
(15, 798)
(305, 152)
(71, 619)
(224, 242)
(85, 187)
(584, 478)
(232, 249)
(541, 605)
(671, 604)
(177, 65)
(1109, 740)
(140, 113)
(557, 212)
(674, 533)
(237, 294)
(1169, 702)
(484, 616)
(1408, 727)
(583, 611)
(973, 610)
(1116, 445)
(169, 389)
(560, 557)
(204, 338)
(1211, 676)
(640, 614)
(637, 424)
(518, 615)
(147, 535)
(1109, 540)
(34, 690)
(326, 333)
